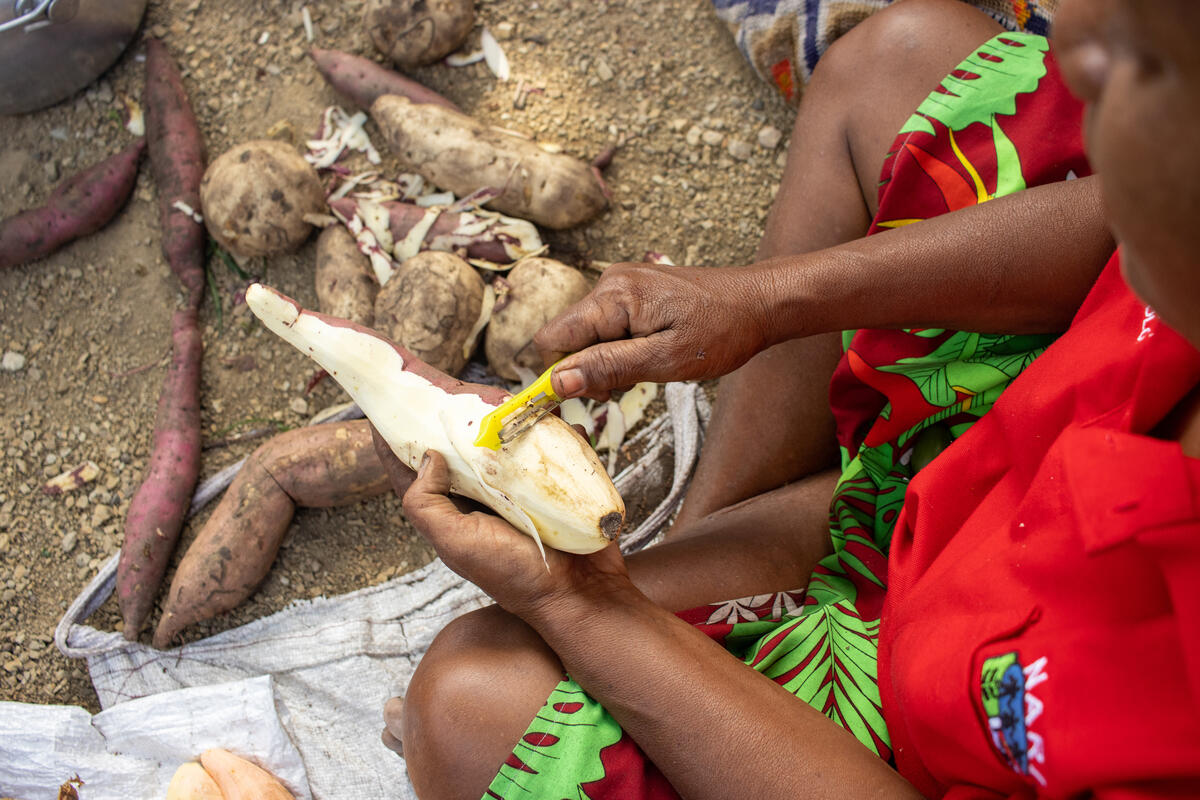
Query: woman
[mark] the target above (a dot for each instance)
(1001, 572)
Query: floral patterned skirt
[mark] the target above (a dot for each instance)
(998, 123)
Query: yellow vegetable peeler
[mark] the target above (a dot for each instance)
(519, 413)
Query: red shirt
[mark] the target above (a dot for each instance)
(1041, 634)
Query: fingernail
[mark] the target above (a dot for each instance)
(570, 382)
(424, 464)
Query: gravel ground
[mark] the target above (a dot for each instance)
(84, 334)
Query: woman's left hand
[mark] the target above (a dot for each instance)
(491, 553)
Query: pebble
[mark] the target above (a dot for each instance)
(740, 150)
(712, 138)
(12, 361)
(769, 137)
(51, 170)
(68, 541)
(692, 137)
(298, 405)
(603, 71)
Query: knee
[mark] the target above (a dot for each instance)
(903, 35)
(471, 698)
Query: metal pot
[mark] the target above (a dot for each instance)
(50, 49)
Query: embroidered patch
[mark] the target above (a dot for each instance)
(1006, 688)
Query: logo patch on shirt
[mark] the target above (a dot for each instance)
(1006, 688)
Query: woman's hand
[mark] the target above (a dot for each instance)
(653, 322)
(489, 552)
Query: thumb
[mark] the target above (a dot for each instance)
(601, 368)
(426, 503)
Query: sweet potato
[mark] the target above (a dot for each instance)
(539, 289)
(346, 285)
(362, 81)
(430, 306)
(548, 482)
(455, 152)
(160, 505)
(257, 196)
(318, 467)
(240, 779)
(497, 239)
(413, 33)
(177, 163)
(80, 205)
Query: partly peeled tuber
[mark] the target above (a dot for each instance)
(548, 482)
(240, 779)
(191, 782)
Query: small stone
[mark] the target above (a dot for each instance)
(3, 542)
(19, 572)
(159, 31)
(504, 30)
(82, 559)
(693, 135)
(51, 170)
(298, 405)
(769, 137)
(68, 541)
(740, 150)
(101, 515)
(12, 361)
(712, 138)
(603, 71)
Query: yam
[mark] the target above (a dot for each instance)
(457, 153)
(413, 33)
(316, 467)
(346, 285)
(430, 306)
(539, 290)
(256, 197)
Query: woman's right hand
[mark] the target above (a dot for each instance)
(653, 322)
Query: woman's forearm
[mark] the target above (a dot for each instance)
(665, 683)
(1019, 264)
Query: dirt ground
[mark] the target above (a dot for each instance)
(701, 143)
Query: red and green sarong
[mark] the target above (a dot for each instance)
(1000, 122)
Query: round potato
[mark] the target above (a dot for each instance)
(540, 289)
(416, 32)
(255, 198)
(430, 305)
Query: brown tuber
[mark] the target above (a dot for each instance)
(539, 290)
(430, 306)
(256, 197)
(413, 33)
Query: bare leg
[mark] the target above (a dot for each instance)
(865, 87)
(487, 674)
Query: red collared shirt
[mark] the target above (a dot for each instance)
(1041, 635)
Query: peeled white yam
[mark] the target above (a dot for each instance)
(547, 482)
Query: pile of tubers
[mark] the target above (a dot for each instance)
(407, 296)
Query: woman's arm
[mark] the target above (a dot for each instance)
(1018, 264)
(715, 727)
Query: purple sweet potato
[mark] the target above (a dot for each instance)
(499, 243)
(319, 467)
(80, 205)
(362, 80)
(157, 510)
(177, 162)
